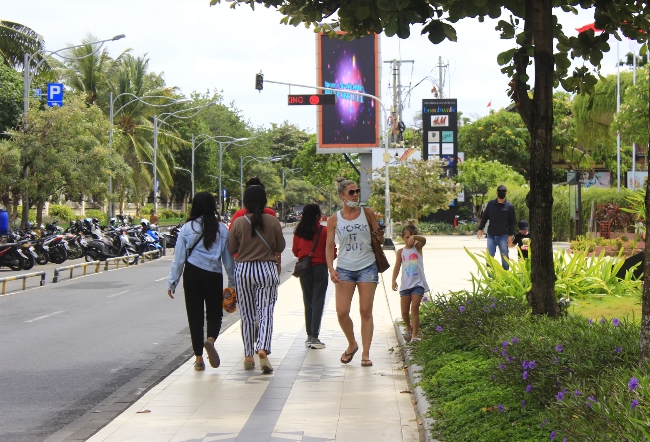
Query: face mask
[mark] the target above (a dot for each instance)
(501, 195)
(352, 203)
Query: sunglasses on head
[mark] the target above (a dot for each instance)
(353, 191)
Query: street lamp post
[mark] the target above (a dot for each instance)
(27, 79)
(231, 140)
(156, 120)
(111, 116)
(283, 172)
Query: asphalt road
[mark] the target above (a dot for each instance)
(68, 347)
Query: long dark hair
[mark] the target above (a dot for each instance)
(204, 206)
(306, 228)
(255, 202)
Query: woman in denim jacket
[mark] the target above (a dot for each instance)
(202, 247)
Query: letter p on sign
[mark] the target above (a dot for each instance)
(54, 94)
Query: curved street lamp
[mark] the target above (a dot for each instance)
(156, 120)
(111, 116)
(27, 79)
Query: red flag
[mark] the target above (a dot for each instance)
(591, 26)
(490, 103)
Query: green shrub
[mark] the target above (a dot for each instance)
(95, 213)
(63, 213)
(32, 214)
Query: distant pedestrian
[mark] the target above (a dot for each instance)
(255, 181)
(501, 214)
(201, 248)
(522, 238)
(153, 218)
(313, 283)
(414, 282)
(256, 239)
(356, 266)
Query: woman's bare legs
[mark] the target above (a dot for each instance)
(366, 299)
(344, 292)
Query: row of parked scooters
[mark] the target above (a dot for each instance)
(83, 239)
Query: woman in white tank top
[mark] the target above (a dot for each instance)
(356, 267)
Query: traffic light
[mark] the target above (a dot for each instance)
(259, 82)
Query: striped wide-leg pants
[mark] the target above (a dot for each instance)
(257, 287)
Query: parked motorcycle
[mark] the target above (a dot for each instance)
(102, 247)
(11, 256)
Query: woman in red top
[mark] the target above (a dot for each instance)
(314, 283)
(255, 181)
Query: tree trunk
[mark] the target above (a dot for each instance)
(645, 298)
(39, 212)
(540, 199)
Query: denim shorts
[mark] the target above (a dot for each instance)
(368, 274)
(417, 290)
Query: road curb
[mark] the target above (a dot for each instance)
(414, 374)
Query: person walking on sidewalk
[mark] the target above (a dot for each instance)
(256, 239)
(309, 239)
(356, 267)
(255, 181)
(201, 248)
(414, 283)
(501, 230)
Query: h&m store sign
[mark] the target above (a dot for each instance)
(440, 131)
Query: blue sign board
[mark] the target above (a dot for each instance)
(54, 94)
(225, 194)
(157, 185)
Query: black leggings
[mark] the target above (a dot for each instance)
(202, 286)
(314, 287)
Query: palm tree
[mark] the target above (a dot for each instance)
(16, 40)
(86, 70)
(135, 123)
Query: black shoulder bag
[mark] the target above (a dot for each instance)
(304, 264)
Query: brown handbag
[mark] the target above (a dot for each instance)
(380, 257)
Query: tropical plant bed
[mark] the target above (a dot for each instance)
(612, 251)
(493, 372)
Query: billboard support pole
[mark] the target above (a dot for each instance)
(388, 242)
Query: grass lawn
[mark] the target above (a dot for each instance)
(608, 307)
(170, 221)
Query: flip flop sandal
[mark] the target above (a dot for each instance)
(407, 336)
(348, 355)
(366, 363)
(213, 356)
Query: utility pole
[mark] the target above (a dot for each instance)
(396, 109)
(440, 79)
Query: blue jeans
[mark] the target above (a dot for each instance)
(502, 241)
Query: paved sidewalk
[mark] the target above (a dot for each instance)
(311, 396)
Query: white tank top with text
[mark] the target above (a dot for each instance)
(355, 248)
(413, 270)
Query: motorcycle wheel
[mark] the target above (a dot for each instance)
(17, 262)
(43, 258)
(130, 260)
(29, 262)
(59, 256)
(90, 256)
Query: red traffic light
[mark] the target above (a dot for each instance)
(311, 100)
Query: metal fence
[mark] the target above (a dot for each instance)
(85, 265)
(23, 278)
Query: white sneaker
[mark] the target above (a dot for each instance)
(308, 343)
(316, 343)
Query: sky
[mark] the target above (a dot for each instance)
(201, 48)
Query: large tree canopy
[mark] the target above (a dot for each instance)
(534, 29)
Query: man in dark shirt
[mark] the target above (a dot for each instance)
(522, 239)
(501, 229)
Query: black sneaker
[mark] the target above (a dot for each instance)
(316, 343)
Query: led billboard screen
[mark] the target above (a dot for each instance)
(352, 125)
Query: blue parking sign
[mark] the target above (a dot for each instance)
(55, 94)
(225, 193)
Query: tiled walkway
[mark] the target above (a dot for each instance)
(311, 396)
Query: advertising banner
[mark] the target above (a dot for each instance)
(397, 156)
(638, 180)
(440, 131)
(590, 178)
(353, 123)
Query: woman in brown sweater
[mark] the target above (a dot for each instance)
(257, 241)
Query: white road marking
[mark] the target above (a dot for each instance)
(118, 294)
(160, 279)
(45, 316)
